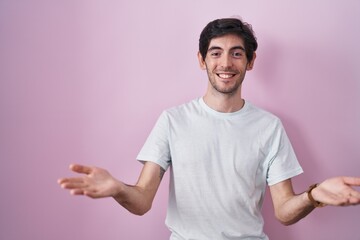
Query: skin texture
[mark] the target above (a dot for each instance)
(226, 65)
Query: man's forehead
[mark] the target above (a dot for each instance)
(227, 41)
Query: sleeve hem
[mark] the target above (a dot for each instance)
(285, 176)
(143, 159)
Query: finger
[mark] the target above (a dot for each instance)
(92, 194)
(80, 168)
(67, 180)
(353, 181)
(61, 180)
(354, 201)
(349, 198)
(355, 194)
(77, 192)
(71, 183)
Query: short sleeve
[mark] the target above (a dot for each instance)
(283, 163)
(156, 148)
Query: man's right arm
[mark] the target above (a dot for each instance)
(99, 183)
(138, 199)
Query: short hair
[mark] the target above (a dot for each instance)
(224, 26)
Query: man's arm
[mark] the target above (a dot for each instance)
(290, 207)
(99, 183)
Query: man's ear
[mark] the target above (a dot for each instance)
(250, 65)
(201, 61)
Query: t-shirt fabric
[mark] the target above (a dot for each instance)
(220, 164)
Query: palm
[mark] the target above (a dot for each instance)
(339, 191)
(95, 182)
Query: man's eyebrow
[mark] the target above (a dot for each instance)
(238, 47)
(214, 48)
(231, 49)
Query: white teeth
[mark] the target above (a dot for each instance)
(225, 75)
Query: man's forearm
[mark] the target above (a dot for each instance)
(288, 206)
(294, 209)
(138, 199)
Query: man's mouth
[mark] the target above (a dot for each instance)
(225, 75)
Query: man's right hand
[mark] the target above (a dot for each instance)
(95, 183)
(99, 183)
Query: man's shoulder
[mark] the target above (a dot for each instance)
(262, 114)
(184, 108)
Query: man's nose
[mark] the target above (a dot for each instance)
(226, 61)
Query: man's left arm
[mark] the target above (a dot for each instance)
(290, 207)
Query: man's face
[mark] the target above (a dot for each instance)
(226, 63)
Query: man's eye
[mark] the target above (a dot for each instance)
(237, 54)
(215, 54)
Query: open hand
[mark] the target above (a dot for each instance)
(95, 183)
(338, 191)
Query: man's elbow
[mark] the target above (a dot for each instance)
(140, 211)
(286, 221)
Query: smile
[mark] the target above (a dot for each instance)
(225, 75)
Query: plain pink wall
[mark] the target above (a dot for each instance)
(84, 81)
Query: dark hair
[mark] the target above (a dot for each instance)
(224, 26)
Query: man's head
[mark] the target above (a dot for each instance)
(221, 27)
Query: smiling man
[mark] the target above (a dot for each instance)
(226, 64)
(222, 153)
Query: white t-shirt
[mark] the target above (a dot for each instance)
(220, 166)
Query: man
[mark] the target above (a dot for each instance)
(222, 152)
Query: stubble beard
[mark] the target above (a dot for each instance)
(231, 90)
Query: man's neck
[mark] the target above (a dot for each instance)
(225, 103)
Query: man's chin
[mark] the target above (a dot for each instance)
(229, 91)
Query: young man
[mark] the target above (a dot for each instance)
(222, 152)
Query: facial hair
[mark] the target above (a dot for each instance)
(231, 90)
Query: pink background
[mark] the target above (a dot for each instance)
(84, 81)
